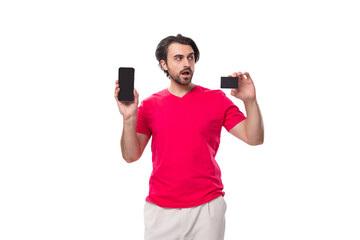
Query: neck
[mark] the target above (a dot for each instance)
(178, 89)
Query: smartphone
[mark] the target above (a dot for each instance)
(126, 84)
(229, 82)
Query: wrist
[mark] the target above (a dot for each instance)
(130, 121)
(250, 102)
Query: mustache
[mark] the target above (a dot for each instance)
(185, 70)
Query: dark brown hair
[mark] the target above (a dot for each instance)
(162, 48)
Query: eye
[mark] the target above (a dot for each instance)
(178, 58)
(191, 57)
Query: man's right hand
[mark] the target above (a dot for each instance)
(127, 109)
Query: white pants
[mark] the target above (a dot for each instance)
(204, 222)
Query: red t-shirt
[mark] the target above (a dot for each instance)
(185, 138)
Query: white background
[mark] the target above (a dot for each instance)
(61, 171)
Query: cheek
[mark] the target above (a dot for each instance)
(173, 67)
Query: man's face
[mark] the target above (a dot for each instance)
(180, 63)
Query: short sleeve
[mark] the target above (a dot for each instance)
(142, 122)
(232, 114)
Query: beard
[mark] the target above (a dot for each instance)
(180, 78)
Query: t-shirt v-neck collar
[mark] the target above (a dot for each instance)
(186, 94)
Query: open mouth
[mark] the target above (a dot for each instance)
(186, 73)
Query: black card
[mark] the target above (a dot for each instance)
(229, 82)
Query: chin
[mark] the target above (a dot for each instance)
(183, 80)
(187, 80)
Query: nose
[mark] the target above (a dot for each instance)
(186, 63)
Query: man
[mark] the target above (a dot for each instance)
(185, 199)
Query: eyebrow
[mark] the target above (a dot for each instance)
(180, 55)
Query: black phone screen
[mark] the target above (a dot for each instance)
(126, 84)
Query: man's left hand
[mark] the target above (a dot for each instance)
(246, 87)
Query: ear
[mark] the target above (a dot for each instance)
(163, 65)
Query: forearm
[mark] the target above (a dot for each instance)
(254, 127)
(130, 146)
